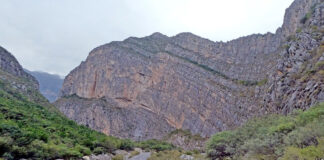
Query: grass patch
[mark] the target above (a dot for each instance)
(310, 152)
(118, 157)
(305, 18)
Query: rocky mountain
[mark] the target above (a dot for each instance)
(49, 84)
(144, 88)
(12, 73)
(32, 128)
(9, 64)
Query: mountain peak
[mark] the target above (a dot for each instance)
(189, 82)
(158, 35)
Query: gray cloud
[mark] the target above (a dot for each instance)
(56, 35)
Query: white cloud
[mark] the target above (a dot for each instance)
(56, 35)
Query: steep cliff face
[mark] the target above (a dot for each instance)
(9, 64)
(185, 82)
(109, 118)
(297, 79)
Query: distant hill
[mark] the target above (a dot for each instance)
(50, 84)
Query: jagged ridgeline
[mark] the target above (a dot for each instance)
(30, 127)
(143, 88)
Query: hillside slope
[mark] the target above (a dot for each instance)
(299, 136)
(32, 128)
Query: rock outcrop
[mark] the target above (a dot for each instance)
(13, 74)
(186, 140)
(297, 79)
(143, 88)
(9, 64)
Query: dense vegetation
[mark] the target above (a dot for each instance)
(297, 136)
(154, 145)
(31, 130)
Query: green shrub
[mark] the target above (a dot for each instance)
(305, 18)
(222, 144)
(188, 153)
(5, 144)
(127, 145)
(134, 153)
(155, 145)
(196, 151)
(283, 127)
(83, 150)
(110, 144)
(99, 150)
(307, 153)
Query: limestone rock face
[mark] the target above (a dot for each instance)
(11, 71)
(297, 79)
(143, 88)
(104, 116)
(9, 64)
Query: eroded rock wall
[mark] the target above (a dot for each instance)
(187, 82)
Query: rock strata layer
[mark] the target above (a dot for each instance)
(143, 88)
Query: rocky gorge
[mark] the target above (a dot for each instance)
(145, 88)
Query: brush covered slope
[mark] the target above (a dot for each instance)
(31, 128)
(144, 88)
(299, 136)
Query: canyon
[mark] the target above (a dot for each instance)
(145, 88)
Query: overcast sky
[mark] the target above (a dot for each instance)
(56, 35)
